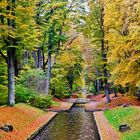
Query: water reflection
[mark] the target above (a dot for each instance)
(74, 125)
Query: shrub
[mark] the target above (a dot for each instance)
(59, 86)
(24, 94)
(3, 94)
(42, 101)
(92, 89)
(33, 79)
(3, 98)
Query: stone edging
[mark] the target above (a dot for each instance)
(97, 124)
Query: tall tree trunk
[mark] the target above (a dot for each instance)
(104, 57)
(16, 64)
(10, 58)
(39, 58)
(95, 85)
(98, 81)
(98, 85)
(35, 59)
(48, 70)
(11, 75)
(50, 46)
(115, 92)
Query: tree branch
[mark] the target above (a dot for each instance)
(70, 7)
(57, 51)
(44, 64)
(71, 41)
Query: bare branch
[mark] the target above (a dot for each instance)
(71, 41)
(71, 5)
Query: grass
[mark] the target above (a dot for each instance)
(54, 103)
(130, 116)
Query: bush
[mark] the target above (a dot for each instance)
(3, 94)
(3, 98)
(92, 89)
(42, 101)
(33, 79)
(59, 86)
(24, 94)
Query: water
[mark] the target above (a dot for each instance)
(74, 125)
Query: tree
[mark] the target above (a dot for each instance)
(15, 32)
(122, 21)
(94, 29)
(71, 62)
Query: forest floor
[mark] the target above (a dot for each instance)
(99, 102)
(25, 120)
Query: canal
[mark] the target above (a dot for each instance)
(73, 125)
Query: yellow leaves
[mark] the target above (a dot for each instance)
(127, 71)
(25, 11)
(3, 3)
(80, 81)
(67, 59)
(23, 26)
(123, 53)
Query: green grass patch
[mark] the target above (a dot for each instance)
(130, 116)
(55, 103)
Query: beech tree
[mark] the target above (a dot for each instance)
(94, 29)
(15, 32)
(122, 21)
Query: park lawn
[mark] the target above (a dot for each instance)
(128, 115)
(25, 120)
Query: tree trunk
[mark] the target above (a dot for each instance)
(107, 95)
(39, 58)
(98, 85)
(48, 71)
(50, 46)
(35, 58)
(98, 81)
(11, 75)
(16, 66)
(107, 90)
(95, 85)
(115, 92)
(10, 58)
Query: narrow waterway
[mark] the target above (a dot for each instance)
(74, 125)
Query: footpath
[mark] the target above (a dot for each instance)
(106, 131)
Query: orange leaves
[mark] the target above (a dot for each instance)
(25, 120)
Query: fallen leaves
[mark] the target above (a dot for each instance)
(25, 120)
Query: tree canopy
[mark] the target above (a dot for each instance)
(69, 43)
